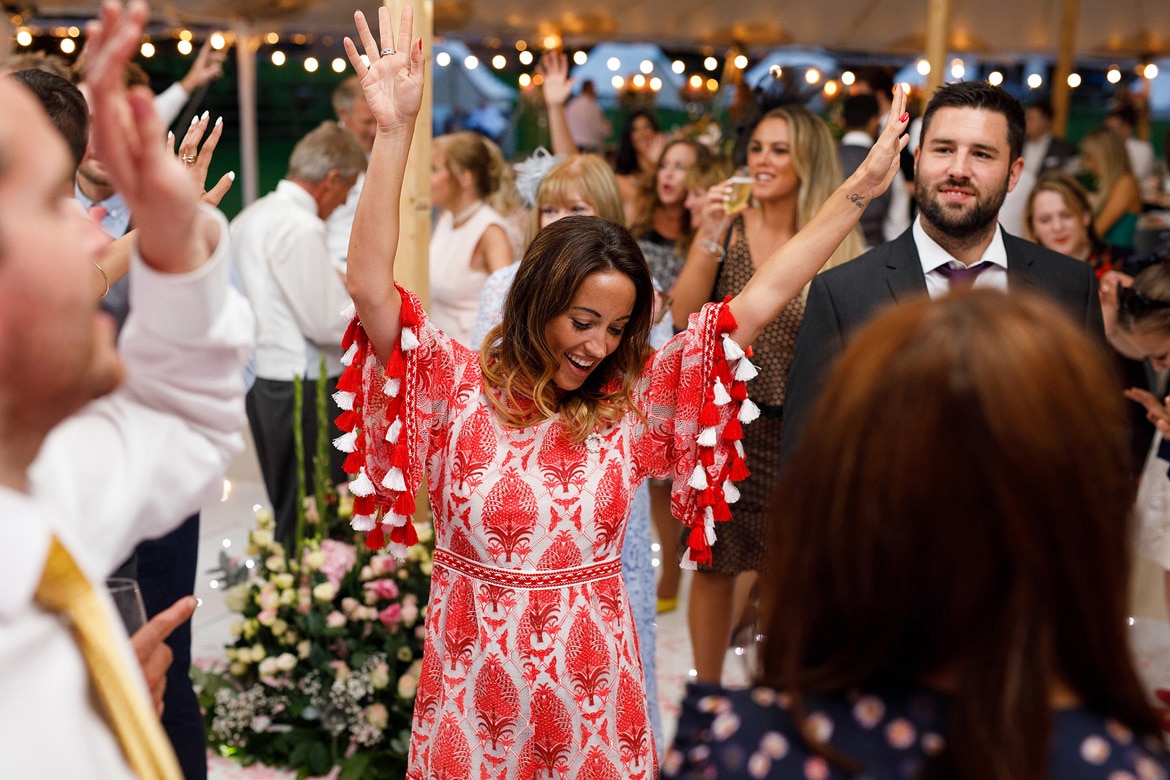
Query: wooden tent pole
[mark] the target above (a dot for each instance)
(247, 44)
(410, 265)
(938, 24)
(1061, 91)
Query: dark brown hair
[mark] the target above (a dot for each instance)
(517, 362)
(948, 515)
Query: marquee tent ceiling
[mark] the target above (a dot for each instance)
(1121, 28)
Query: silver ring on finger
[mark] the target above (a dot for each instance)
(388, 52)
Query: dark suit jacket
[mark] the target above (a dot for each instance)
(843, 299)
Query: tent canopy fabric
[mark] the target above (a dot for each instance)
(1121, 28)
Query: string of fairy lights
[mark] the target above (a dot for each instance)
(704, 80)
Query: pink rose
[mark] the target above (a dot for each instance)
(383, 589)
(334, 619)
(391, 616)
(339, 560)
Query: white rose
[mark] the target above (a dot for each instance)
(258, 652)
(283, 581)
(278, 627)
(288, 597)
(324, 592)
(261, 538)
(235, 598)
(236, 629)
(238, 669)
(303, 649)
(268, 667)
(315, 559)
(286, 661)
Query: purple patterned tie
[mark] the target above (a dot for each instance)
(964, 277)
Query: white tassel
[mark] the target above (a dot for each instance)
(392, 387)
(744, 370)
(362, 522)
(730, 491)
(395, 520)
(709, 525)
(350, 354)
(347, 442)
(707, 437)
(731, 350)
(698, 478)
(349, 312)
(393, 431)
(722, 398)
(409, 340)
(739, 450)
(361, 485)
(687, 562)
(344, 400)
(748, 411)
(393, 480)
(398, 551)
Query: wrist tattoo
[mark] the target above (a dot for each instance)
(857, 200)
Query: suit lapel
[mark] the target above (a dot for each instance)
(904, 276)
(1021, 275)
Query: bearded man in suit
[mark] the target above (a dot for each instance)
(969, 159)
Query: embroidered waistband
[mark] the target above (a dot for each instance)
(527, 579)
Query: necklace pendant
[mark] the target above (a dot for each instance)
(593, 443)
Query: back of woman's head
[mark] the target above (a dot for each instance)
(1145, 307)
(1070, 191)
(469, 151)
(587, 176)
(554, 267)
(947, 513)
(1107, 148)
(814, 157)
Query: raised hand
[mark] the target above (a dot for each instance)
(557, 86)
(207, 67)
(393, 81)
(172, 237)
(197, 158)
(882, 163)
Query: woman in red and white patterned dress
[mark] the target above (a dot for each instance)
(533, 449)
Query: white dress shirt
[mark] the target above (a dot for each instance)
(340, 224)
(292, 283)
(934, 257)
(129, 466)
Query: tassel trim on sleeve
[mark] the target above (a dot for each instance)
(724, 411)
(384, 502)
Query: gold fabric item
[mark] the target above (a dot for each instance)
(63, 589)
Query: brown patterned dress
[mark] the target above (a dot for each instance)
(742, 542)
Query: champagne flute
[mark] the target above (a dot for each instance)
(741, 190)
(128, 599)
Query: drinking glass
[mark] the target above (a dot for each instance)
(128, 599)
(741, 190)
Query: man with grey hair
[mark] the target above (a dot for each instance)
(354, 115)
(298, 293)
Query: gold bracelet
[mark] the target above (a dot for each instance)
(105, 278)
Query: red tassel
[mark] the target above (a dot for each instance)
(726, 322)
(395, 367)
(364, 505)
(721, 511)
(400, 457)
(706, 497)
(749, 351)
(739, 470)
(738, 391)
(733, 431)
(351, 332)
(404, 504)
(707, 456)
(701, 556)
(393, 407)
(697, 540)
(404, 535)
(409, 316)
(351, 378)
(347, 421)
(352, 464)
(708, 415)
(375, 539)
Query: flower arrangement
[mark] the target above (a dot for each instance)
(322, 672)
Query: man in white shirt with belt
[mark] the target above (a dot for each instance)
(299, 295)
(99, 450)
